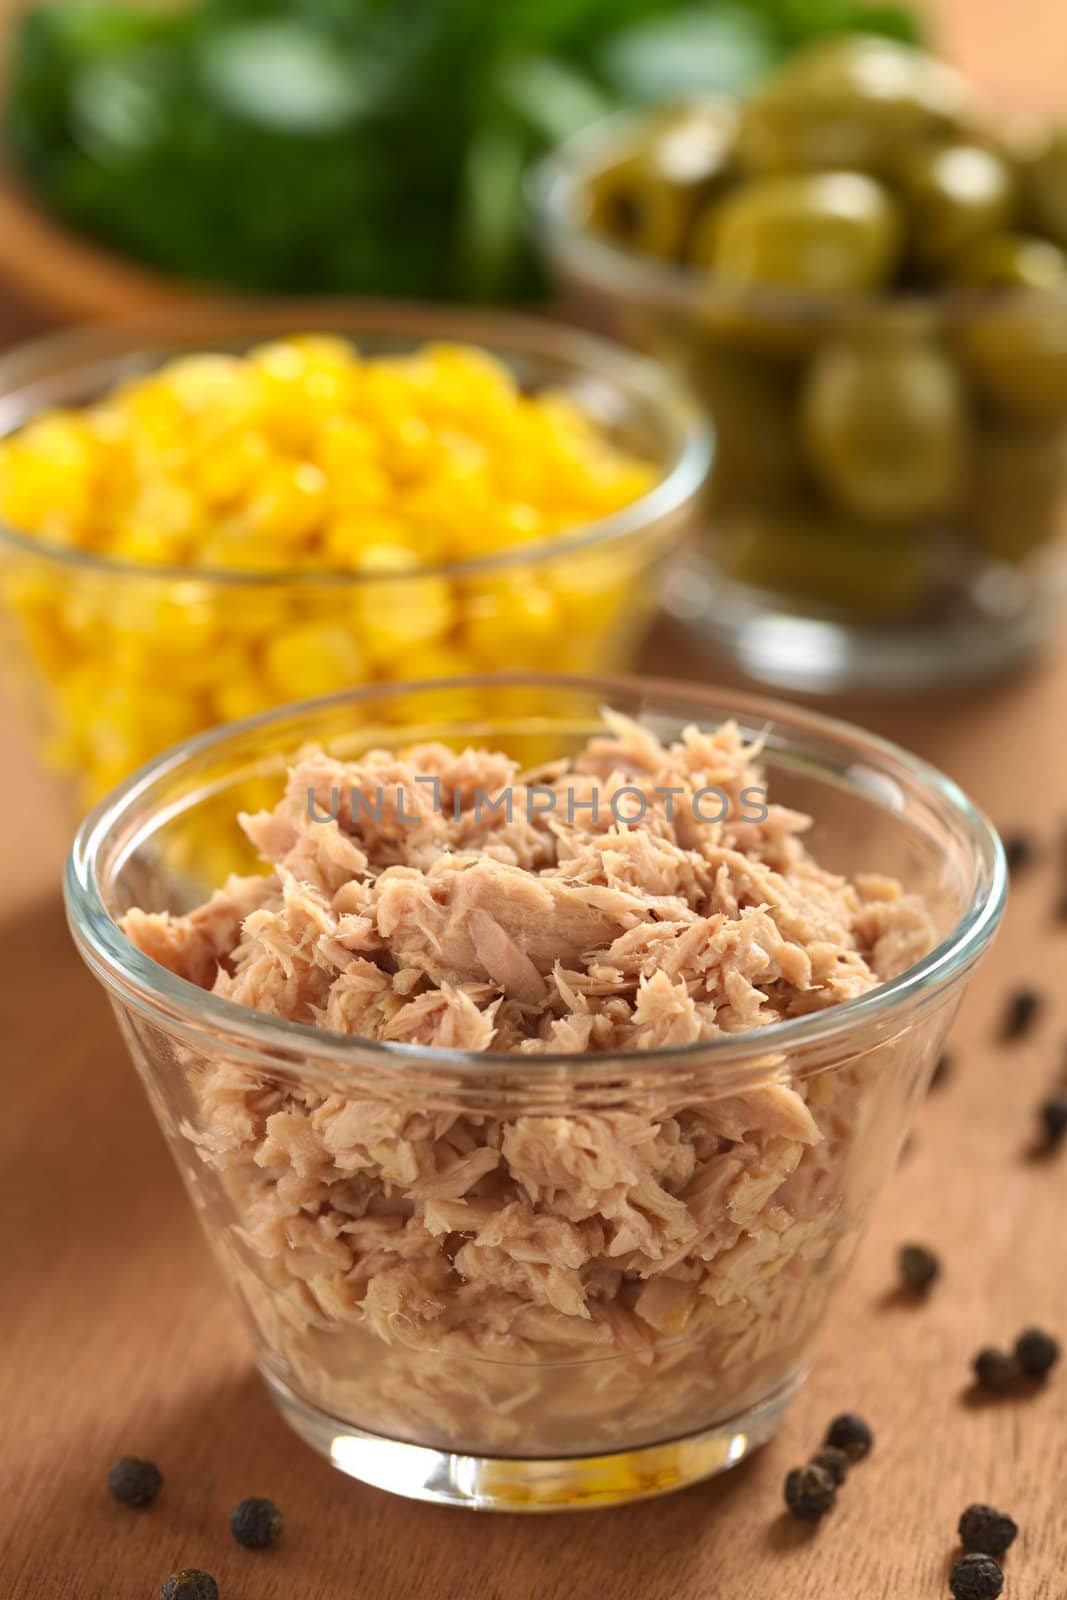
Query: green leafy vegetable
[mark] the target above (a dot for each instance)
(356, 146)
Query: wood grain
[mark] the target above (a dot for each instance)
(117, 1335)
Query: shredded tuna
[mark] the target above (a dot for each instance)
(523, 1261)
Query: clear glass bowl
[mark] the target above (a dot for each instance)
(118, 660)
(822, 573)
(388, 1375)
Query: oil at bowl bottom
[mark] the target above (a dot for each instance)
(526, 1483)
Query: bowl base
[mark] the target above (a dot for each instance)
(809, 655)
(517, 1483)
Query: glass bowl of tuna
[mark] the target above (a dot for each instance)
(536, 1092)
(235, 510)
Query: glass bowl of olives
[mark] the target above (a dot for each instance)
(867, 283)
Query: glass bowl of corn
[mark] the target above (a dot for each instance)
(202, 521)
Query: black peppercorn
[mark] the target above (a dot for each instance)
(993, 1369)
(1020, 848)
(986, 1531)
(833, 1461)
(850, 1434)
(1053, 1114)
(809, 1492)
(919, 1267)
(189, 1584)
(976, 1577)
(942, 1070)
(1020, 1013)
(256, 1523)
(1036, 1352)
(133, 1482)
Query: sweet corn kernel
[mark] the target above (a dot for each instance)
(351, 540)
(300, 457)
(343, 444)
(515, 622)
(436, 661)
(289, 504)
(300, 386)
(145, 545)
(169, 507)
(312, 658)
(211, 387)
(233, 699)
(461, 511)
(48, 478)
(593, 589)
(365, 486)
(228, 465)
(234, 547)
(402, 614)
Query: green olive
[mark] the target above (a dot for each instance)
(849, 103)
(1018, 490)
(1017, 356)
(836, 563)
(752, 322)
(753, 407)
(632, 204)
(1042, 166)
(648, 197)
(1010, 261)
(694, 146)
(954, 195)
(827, 233)
(885, 424)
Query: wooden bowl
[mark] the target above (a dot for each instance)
(57, 272)
(68, 277)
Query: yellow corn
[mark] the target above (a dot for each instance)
(312, 658)
(513, 620)
(300, 458)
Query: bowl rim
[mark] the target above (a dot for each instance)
(501, 334)
(157, 992)
(554, 187)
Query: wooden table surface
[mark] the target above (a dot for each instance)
(116, 1334)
